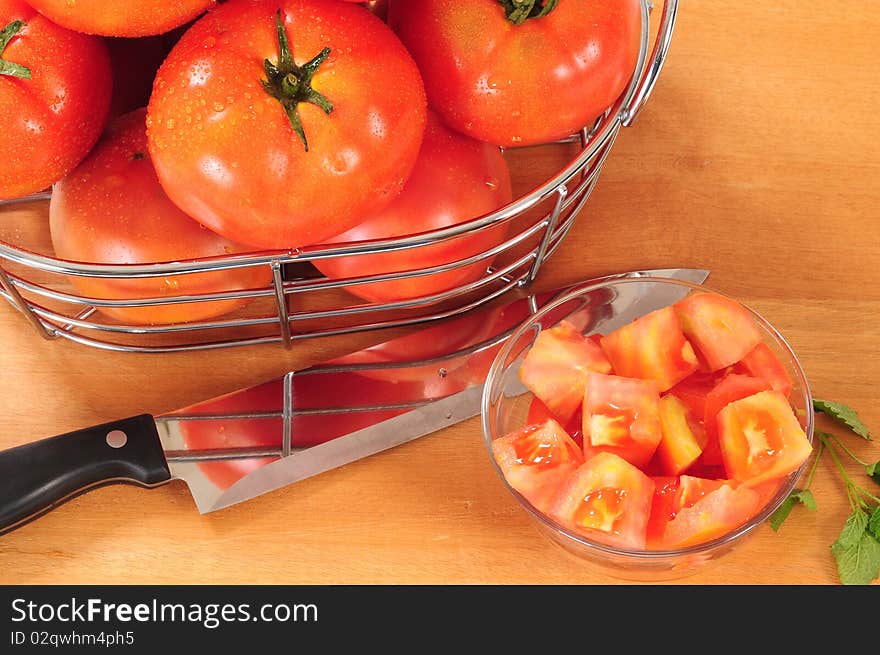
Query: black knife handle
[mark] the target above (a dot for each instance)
(39, 476)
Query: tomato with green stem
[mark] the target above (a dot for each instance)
(520, 72)
(283, 124)
(55, 87)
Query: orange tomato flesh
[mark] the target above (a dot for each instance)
(600, 509)
(761, 438)
(557, 365)
(683, 437)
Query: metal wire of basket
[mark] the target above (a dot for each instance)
(301, 303)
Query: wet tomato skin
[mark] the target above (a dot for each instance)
(130, 18)
(226, 151)
(53, 119)
(111, 210)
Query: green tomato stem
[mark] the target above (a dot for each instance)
(7, 67)
(291, 84)
(518, 11)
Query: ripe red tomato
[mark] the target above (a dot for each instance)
(502, 77)
(111, 210)
(731, 387)
(283, 147)
(557, 365)
(608, 499)
(761, 438)
(128, 18)
(54, 95)
(536, 460)
(652, 347)
(455, 179)
(622, 416)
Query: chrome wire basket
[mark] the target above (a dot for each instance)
(300, 302)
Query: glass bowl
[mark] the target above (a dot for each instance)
(602, 308)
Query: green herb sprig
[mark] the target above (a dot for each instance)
(857, 548)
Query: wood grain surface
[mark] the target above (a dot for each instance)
(756, 157)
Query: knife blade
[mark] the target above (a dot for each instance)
(241, 445)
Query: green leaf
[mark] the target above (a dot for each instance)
(778, 517)
(807, 500)
(874, 523)
(873, 471)
(802, 496)
(859, 563)
(844, 414)
(853, 529)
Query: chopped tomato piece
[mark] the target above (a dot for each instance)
(538, 413)
(712, 516)
(607, 499)
(536, 459)
(691, 489)
(556, 367)
(693, 390)
(663, 508)
(652, 347)
(722, 330)
(732, 387)
(622, 416)
(683, 436)
(761, 438)
(762, 363)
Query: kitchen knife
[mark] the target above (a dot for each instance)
(244, 444)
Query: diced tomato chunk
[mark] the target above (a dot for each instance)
(721, 329)
(712, 516)
(762, 363)
(606, 499)
(683, 436)
(761, 438)
(732, 387)
(693, 390)
(663, 508)
(536, 459)
(556, 367)
(539, 413)
(691, 489)
(622, 416)
(652, 347)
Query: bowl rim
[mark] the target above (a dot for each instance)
(498, 367)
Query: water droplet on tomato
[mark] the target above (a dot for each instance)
(169, 124)
(210, 42)
(516, 139)
(492, 183)
(218, 106)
